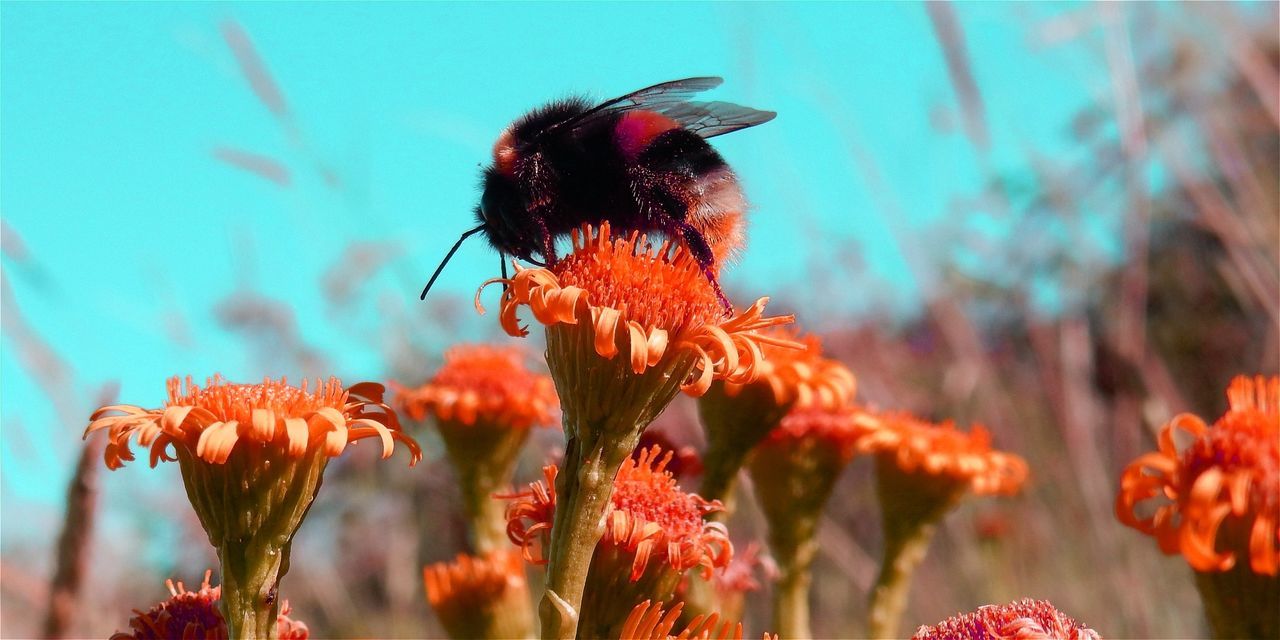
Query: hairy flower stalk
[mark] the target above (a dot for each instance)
(1217, 502)
(484, 400)
(481, 596)
(654, 532)
(922, 472)
(795, 469)
(627, 327)
(252, 458)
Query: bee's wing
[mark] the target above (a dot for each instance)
(671, 99)
(655, 98)
(710, 119)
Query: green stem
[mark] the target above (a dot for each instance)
(791, 591)
(734, 425)
(606, 406)
(889, 597)
(583, 490)
(249, 602)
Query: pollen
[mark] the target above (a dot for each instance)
(662, 288)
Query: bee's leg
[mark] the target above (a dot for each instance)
(502, 260)
(702, 253)
(548, 242)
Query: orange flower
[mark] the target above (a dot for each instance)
(653, 533)
(801, 378)
(646, 303)
(194, 615)
(942, 452)
(648, 621)
(1219, 498)
(210, 421)
(1022, 620)
(481, 597)
(252, 458)
(485, 383)
(649, 517)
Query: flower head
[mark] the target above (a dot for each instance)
(942, 452)
(1022, 620)
(923, 470)
(480, 596)
(210, 421)
(736, 416)
(644, 302)
(252, 458)
(483, 383)
(1219, 498)
(649, 517)
(194, 615)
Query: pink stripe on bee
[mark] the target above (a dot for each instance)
(636, 129)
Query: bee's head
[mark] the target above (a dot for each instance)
(502, 212)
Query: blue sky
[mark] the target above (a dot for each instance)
(112, 113)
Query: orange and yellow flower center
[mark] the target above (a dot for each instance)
(227, 401)
(662, 288)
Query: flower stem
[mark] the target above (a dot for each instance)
(734, 425)
(249, 602)
(889, 597)
(583, 491)
(791, 591)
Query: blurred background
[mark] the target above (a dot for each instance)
(1060, 221)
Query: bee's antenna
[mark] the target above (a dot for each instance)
(466, 234)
